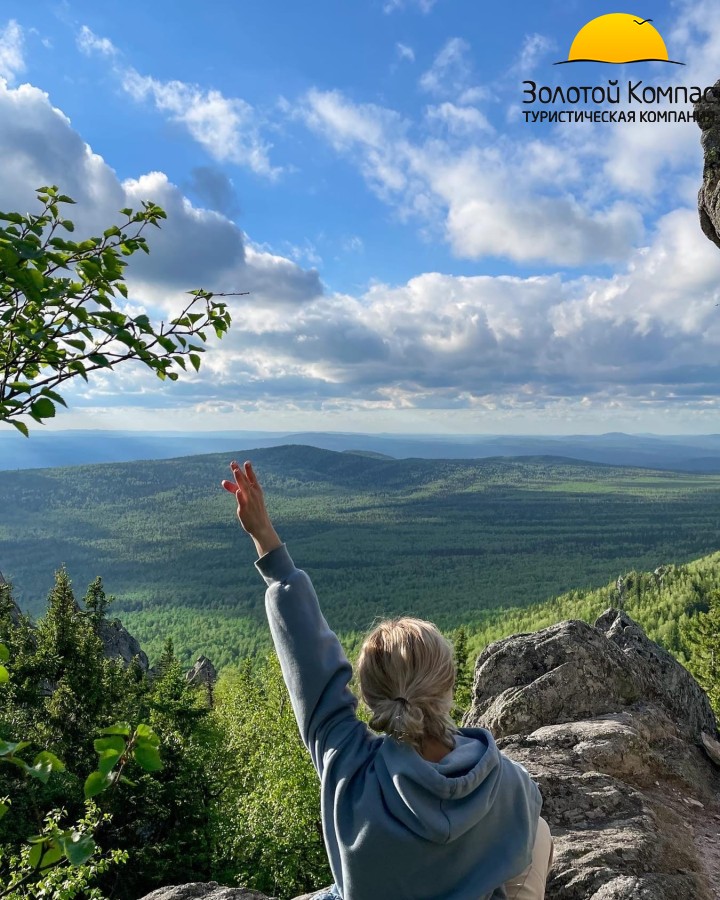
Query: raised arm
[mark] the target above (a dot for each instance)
(313, 663)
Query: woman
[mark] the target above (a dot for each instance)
(427, 811)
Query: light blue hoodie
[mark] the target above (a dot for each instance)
(396, 826)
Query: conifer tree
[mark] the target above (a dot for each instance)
(702, 632)
(463, 677)
(72, 663)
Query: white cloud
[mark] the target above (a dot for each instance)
(459, 120)
(489, 194)
(404, 52)
(225, 126)
(423, 5)
(88, 43)
(535, 47)
(649, 335)
(194, 248)
(229, 128)
(12, 62)
(450, 71)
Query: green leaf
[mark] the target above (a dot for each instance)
(21, 427)
(42, 408)
(98, 359)
(107, 761)
(114, 742)
(4, 806)
(121, 728)
(35, 856)
(145, 734)
(52, 856)
(195, 360)
(46, 392)
(4, 675)
(95, 783)
(68, 225)
(148, 757)
(4, 653)
(8, 747)
(44, 764)
(78, 848)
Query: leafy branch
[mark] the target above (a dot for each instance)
(58, 313)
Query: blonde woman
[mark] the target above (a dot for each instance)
(427, 811)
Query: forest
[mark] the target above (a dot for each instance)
(220, 768)
(455, 541)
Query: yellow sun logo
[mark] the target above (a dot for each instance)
(618, 38)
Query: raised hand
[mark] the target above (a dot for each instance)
(251, 510)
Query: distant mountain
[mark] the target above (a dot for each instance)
(445, 539)
(684, 453)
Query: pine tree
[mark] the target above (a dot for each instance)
(463, 678)
(96, 602)
(72, 664)
(702, 633)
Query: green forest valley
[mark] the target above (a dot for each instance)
(461, 542)
(486, 548)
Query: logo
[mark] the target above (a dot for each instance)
(618, 38)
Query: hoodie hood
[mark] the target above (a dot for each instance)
(440, 801)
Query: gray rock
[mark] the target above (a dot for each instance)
(611, 726)
(707, 113)
(203, 672)
(204, 891)
(120, 644)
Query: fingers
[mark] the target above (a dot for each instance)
(230, 486)
(250, 474)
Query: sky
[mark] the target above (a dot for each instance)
(419, 257)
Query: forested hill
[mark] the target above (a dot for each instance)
(443, 539)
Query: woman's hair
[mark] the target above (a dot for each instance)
(406, 671)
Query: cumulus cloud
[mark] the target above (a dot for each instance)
(492, 195)
(12, 61)
(648, 335)
(195, 247)
(225, 126)
(228, 128)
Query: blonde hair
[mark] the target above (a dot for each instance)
(406, 672)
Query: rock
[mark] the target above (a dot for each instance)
(712, 748)
(120, 644)
(707, 114)
(203, 672)
(611, 727)
(204, 891)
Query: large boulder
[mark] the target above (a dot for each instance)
(209, 890)
(613, 730)
(707, 114)
(119, 644)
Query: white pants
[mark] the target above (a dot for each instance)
(530, 884)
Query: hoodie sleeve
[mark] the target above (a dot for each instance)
(313, 663)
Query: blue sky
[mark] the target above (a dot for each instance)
(419, 257)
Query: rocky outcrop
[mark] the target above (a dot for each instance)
(118, 643)
(707, 114)
(621, 739)
(611, 727)
(210, 890)
(203, 672)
